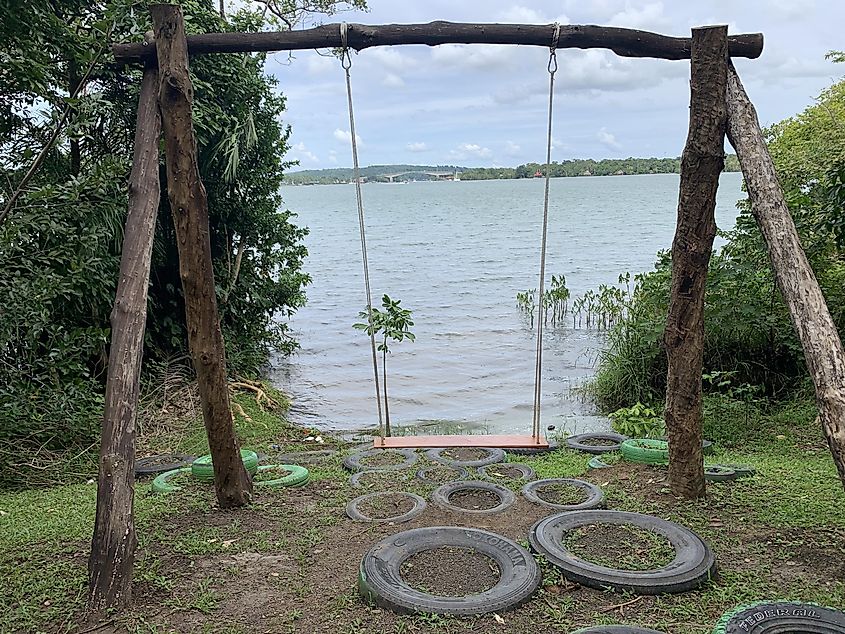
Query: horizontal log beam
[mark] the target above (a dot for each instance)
(624, 42)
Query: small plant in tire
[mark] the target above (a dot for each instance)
(393, 323)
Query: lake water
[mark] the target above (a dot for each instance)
(456, 254)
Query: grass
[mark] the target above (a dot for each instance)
(791, 511)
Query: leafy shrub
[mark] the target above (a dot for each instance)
(638, 421)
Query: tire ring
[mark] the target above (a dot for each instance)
(707, 446)
(742, 470)
(352, 462)
(460, 474)
(441, 496)
(161, 484)
(380, 580)
(577, 442)
(597, 463)
(615, 629)
(153, 465)
(719, 473)
(305, 457)
(532, 451)
(494, 455)
(297, 476)
(595, 496)
(353, 513)
(781, 616)
(203, 469)
(645, 451)
(527, 472)
(355, 479)
(693, 565)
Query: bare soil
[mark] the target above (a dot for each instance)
(474, 499)
(450, 572)
(621, 547)
(503, 471)
(442, 474)
(465, 453)
(559, 493)
(381, 480)
(384, 506)
(382, 459)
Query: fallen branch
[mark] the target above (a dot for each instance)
(619, 606)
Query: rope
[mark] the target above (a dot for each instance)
(346, 64)
(538, 368)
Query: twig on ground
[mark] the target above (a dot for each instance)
(619, 606)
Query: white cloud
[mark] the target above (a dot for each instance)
(468, 150)
(390, 59)
(417, 147)
(608, 139)
(648, 16)
(345, 137)
(302, 153)
(332, 156)
(512, 149)
(459, 57)
(321, 65)
(524, 15)
(391, 80)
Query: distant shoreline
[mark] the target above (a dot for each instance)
(563, 169)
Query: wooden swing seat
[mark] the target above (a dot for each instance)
(502, 441)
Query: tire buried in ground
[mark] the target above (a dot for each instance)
(719, 473)
(692, 566)
(489, 471)
(162, 484)
(441, 496)
(579, 442)
(353, 462)
(203, 469)
(534, 451)
(594, 495)
(353, 513)
(645, 450)
(493, 456)
(616, 629)
(296, 477)
(380, 580)
(153, 465)
(781, 617)
(424, 474)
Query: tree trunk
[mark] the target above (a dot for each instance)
(701, 164)
(795, 278)
(189, 205)
(113, 543)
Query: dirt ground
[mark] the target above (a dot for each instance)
(290, 563)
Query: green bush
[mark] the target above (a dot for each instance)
(638, 421)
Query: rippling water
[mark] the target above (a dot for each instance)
(456, 254)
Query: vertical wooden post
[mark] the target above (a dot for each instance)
(189, 204)
(113, 543)
(795, 278)
(701, 165)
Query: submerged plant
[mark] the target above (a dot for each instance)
(392, 323)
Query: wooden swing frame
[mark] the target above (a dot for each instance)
(718, 105)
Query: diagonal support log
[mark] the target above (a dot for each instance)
(701, 165)
(793, 274)
(113, 543)
(189, 205)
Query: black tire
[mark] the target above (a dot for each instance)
(493, 456)
(595, 496)
(441, 495)
(355, 480)
(527, 473)
(742, 470)
(353, 513)
(719, 473)
(616, 629)
(352, 462)
(305, 457)
(781, 617)
(533, 451)
(577, 442)
(380, 580)
(693, 565)
(460, 474)
(153, 465)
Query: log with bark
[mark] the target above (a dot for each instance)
(793, 274)
(701, 165)
(189, 206)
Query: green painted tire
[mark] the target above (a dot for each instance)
(297, 476)
(161, 484)
(645, 451)
(597, 463)
(202, 469)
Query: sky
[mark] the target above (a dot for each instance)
(485, 105)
